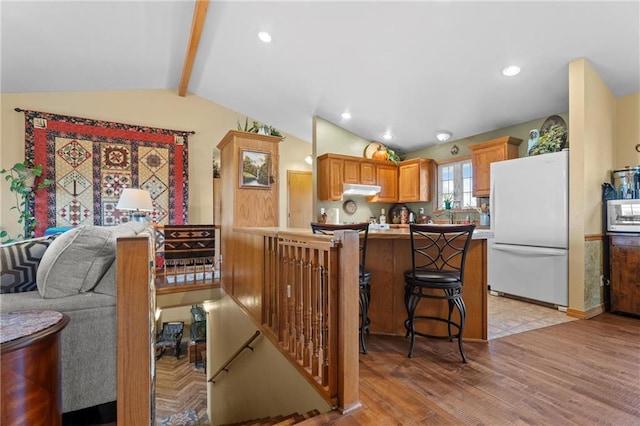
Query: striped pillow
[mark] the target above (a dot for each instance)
(19, 262)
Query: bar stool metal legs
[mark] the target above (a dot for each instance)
(412, 296)
(365, 297)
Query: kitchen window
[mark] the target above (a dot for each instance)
(455, 181)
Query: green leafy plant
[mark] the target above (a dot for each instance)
(554, 140)
(258, 127)
(21, 178)
(394, 156)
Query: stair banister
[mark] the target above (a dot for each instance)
(244, 346)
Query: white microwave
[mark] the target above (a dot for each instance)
(623, 215)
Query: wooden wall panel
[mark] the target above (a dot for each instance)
(242, 206)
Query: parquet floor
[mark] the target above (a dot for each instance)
(180, 385)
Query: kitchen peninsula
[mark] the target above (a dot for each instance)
(389, 255)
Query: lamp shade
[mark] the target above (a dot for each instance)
(135, 199)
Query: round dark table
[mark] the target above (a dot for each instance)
(30, 367)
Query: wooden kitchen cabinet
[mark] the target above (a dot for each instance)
(335, 170)
(351, 171)
(410, 181)
(330, 177)
(625, 273)
(485, 153)
(414, 180)
(368, 173)
(387, 178)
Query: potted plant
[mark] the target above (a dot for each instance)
(21, 178)
(260, 128)
(554, 140)
(447, 199)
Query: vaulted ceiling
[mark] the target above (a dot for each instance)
(409, 68)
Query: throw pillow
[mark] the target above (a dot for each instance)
(19, 263)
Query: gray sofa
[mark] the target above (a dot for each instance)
(75, 274)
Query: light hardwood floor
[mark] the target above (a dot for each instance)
(582, 372)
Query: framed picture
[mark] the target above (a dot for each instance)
(254, 169)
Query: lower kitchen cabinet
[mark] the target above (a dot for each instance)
(625, 273)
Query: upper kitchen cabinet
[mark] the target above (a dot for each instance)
(330, 178)
(335, 170)
(351, 171)
(368, 173)
(414, 180)
(485, 153)
(387, 179)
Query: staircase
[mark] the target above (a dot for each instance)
(291, 419)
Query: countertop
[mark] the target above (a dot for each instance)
(393, 233)
(478, 234)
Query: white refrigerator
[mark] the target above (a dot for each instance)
(529, 207)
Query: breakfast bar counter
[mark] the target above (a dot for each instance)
(389, 255)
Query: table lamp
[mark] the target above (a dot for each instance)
(138, 201)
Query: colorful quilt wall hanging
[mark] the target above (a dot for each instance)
(92, 161)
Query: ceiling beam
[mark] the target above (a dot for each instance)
(199, 13)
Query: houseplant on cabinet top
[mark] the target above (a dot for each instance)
(21, 178)
(260, 128)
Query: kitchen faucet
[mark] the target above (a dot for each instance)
(449, 214)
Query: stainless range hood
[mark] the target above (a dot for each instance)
(363, 190)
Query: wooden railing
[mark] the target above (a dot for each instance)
(309, 304)
(307, 299)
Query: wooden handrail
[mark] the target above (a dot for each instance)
(244, 346)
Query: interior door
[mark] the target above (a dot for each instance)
(299, 199)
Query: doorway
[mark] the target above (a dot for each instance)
(299, 199)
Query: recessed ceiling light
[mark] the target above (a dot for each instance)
(511, 70)
(443, 135)
(345, 115)
(264, 36)
(387, 136)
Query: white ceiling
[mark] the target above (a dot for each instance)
(408, 67)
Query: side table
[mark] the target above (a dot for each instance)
(30, 367)
(195, 349)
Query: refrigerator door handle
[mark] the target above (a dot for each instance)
(530, 250)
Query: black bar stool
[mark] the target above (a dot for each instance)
(438, 256)
(365, 276)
